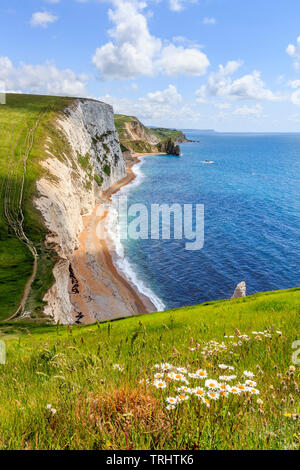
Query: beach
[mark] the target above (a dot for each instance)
(103, 291)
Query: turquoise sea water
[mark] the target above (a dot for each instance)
(251, 196)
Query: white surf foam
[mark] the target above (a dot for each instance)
(121, 262)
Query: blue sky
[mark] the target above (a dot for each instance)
(230, 65)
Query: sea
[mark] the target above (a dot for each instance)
(249, 186)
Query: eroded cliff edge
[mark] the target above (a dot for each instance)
(90, 161)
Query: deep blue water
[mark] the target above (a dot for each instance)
(252, 222)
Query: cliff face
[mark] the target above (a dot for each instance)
(134, 136)
(89, 162)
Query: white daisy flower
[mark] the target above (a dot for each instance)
(182, 370)
(193, 375)
(253, 391)
(170, 407)
(159, 384)
(248, 374)
(235, 390)
(205, 401)
(213, 395)
(224, 387)
(182, 397)
(166, 366)
(223, 366)
(159, 375)
(171, 400)
(250, 383)
(202, 374)
(198, 392)
(183, 389)
(211, 384)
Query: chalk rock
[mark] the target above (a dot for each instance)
(240, 290)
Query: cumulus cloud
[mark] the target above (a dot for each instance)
(294, 51)
(247, 87)
(249, 110)
(133, 48)
(157, 105)
(42, 19)
(177, 60)
(46, 78)
(133, 51)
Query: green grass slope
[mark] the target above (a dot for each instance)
(90, 378)
(163, 134)
(143, 144)
(25, 123)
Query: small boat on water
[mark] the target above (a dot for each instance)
(208, 162)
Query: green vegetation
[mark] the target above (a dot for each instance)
(90, 376)
(25, 123)
(85, 162)
(107, 170)
(98, 179)
(164, 134)
(143, 145)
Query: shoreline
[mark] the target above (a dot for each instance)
(104, 293)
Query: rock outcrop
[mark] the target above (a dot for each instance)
(90, 162)
(240, 290)
(169, 147)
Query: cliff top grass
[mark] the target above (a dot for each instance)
(25, 123)
(95, 387)
(163, 133)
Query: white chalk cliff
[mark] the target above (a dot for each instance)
(91, 162)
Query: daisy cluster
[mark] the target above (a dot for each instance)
(183, 384)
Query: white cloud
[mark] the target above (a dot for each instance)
(294, 84)
(222, 105)
(294, 52)
(247, 87)
(176, 5)
(295, 97)
(46, 78)
(133, 51)
(249, 110)
(179, 5)
(133, 48)
(42, 19)
(157, 105)
(170, 96)
(177, 60)
(209, 20)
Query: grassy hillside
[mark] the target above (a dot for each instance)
(91, 379)
(173, 134)
(25, 122)
(135, 136)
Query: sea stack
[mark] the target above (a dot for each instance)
(240, 290)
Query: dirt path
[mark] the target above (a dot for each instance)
(13, 202)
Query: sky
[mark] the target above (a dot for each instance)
(228, 65)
